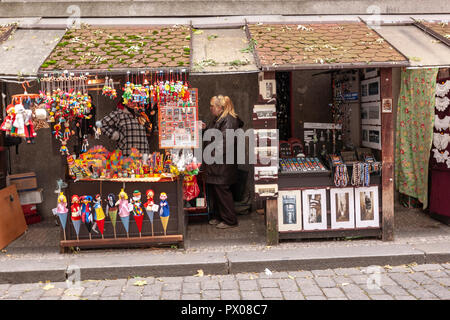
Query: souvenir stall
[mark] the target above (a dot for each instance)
(326, 182)
(129, 196)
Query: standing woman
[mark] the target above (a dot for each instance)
(220, 177)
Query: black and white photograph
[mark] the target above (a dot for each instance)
(342, 208)
(289, 210)
(366, 200)
(314, 209)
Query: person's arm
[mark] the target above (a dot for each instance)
(109, 124)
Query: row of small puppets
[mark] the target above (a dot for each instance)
(89, 211)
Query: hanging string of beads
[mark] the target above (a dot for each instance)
(341, 176)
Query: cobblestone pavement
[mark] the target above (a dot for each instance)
(406, 282)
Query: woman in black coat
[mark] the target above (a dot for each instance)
(220, 176)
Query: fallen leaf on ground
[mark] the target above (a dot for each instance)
(268, 272)
(48, 287)
(140, 283)
(199, 273)
(345, 284)
(388, 267)
(291, 277)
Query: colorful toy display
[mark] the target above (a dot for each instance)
(86, 213)
(111, 210)
(124, 210)
(150, 206)
(301, 165)
(99, 213)
(108, 89)
(138, 212)
(164, 211)
(76, 214)
(61, 211)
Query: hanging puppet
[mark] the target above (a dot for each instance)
(30, 134)
(124, 209)
(164, 212)
(86, 213)
(99, 213)
(150, 206)
(111, 210)
(7, 124)
(138, 212)
(75, 209)
(19, 121)
(61, 211)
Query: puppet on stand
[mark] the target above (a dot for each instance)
(150, 206)
(99, 213)
(87, 214)
(138, 212)
(76, 214)
(111, 210)
(124, 210)
(61, 211)
(164, 212)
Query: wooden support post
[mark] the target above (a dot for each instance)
(387, 156)
(272, 235)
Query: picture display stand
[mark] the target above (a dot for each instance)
(178, 127)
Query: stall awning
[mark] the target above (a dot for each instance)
(420, 48)
(322, 46)
(25, 51)
(101, 49)
(221, 51)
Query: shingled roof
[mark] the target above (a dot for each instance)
(90, 48)
(6, 30)
(320, 45)
(441, 30)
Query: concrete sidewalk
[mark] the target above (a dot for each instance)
(35, 256)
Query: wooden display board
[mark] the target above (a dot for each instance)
(176, 227)
(12, 220)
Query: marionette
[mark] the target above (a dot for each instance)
(86, 213)
(138, 212)
(99, 213)
(164, 212)
(19, 120)
(64, 150)
(124, 209)
(76, 214)
(150, 206)
(85, 144)
(9, 119)
(30, 134)
(66, 134)
(61, 211)
(111, 210)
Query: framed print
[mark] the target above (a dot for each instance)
(370, 90)
(342, 208)
(370, 113)
(314, 209)
(371, 136)
(387, 105)
(370, 72)
(366, 203)
(266, 190)
(289, 210)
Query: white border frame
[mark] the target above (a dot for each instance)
(339, 224)
(376, 214)
(298, 199)
(370, 74)
(373, 97)
(367, 106)
(366, 143)
(314, 226)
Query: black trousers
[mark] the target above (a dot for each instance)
(223, 203)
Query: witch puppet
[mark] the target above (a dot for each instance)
(138, 212)
(75, 209)
(111, 210)
(124, 209)
(87, 216)
(99, 213)
(61, 211)
(150, 206)
(164, 212)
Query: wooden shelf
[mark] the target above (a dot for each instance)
(123, 241)
(330, 233)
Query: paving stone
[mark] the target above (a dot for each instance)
(305, 282)
(395, 290)
(32, 295)
(115, 283)
(191, 287)
(24, 286)
(421, 278)
(356, 296)
(229, 285)
(268, 283)
(92, 283)
(439, 291)
(271, 293)
(210, 285)
(342, 280)
(191, 296)
(279, 275)
(301, 274)
(111, 291)
(230, 295)
(89, 298)
(399, 269)
(150, 280)
(436, 274)
(210, 294)
(289, 295)
(49, 298)
(4, 286)
(310, 290)
(426, 267)
(76, 291)
(245, 276)
(385, 280)
(323, 273)
(251, 295)
(352, 289)
(347, 271)
(315, 298)
(247, 285)
(70, 298)
(192, 279)
(223, 277)
(325, 282)
(362, 279)
(373, 290)
(444, 281)
(56, 292)
(409, 297)
(152, 297)
(333, 293)
(422, 294)
(171, 279)
(171, 295)
(287, 285)
(132, 289)
(380, 297)
(130, 296)
(153, 289)
(171, 286)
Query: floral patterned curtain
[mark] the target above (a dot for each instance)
(415, 120)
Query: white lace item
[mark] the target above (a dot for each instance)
(442, 89)
(441, 124)
(440, 140)
(442, 103)
(440, 157)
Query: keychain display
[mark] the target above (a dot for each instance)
(360, 174)
(341, 175)
(108, 89)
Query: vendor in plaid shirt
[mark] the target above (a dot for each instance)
(121, 125)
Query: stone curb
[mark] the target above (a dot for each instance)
(97, 267)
